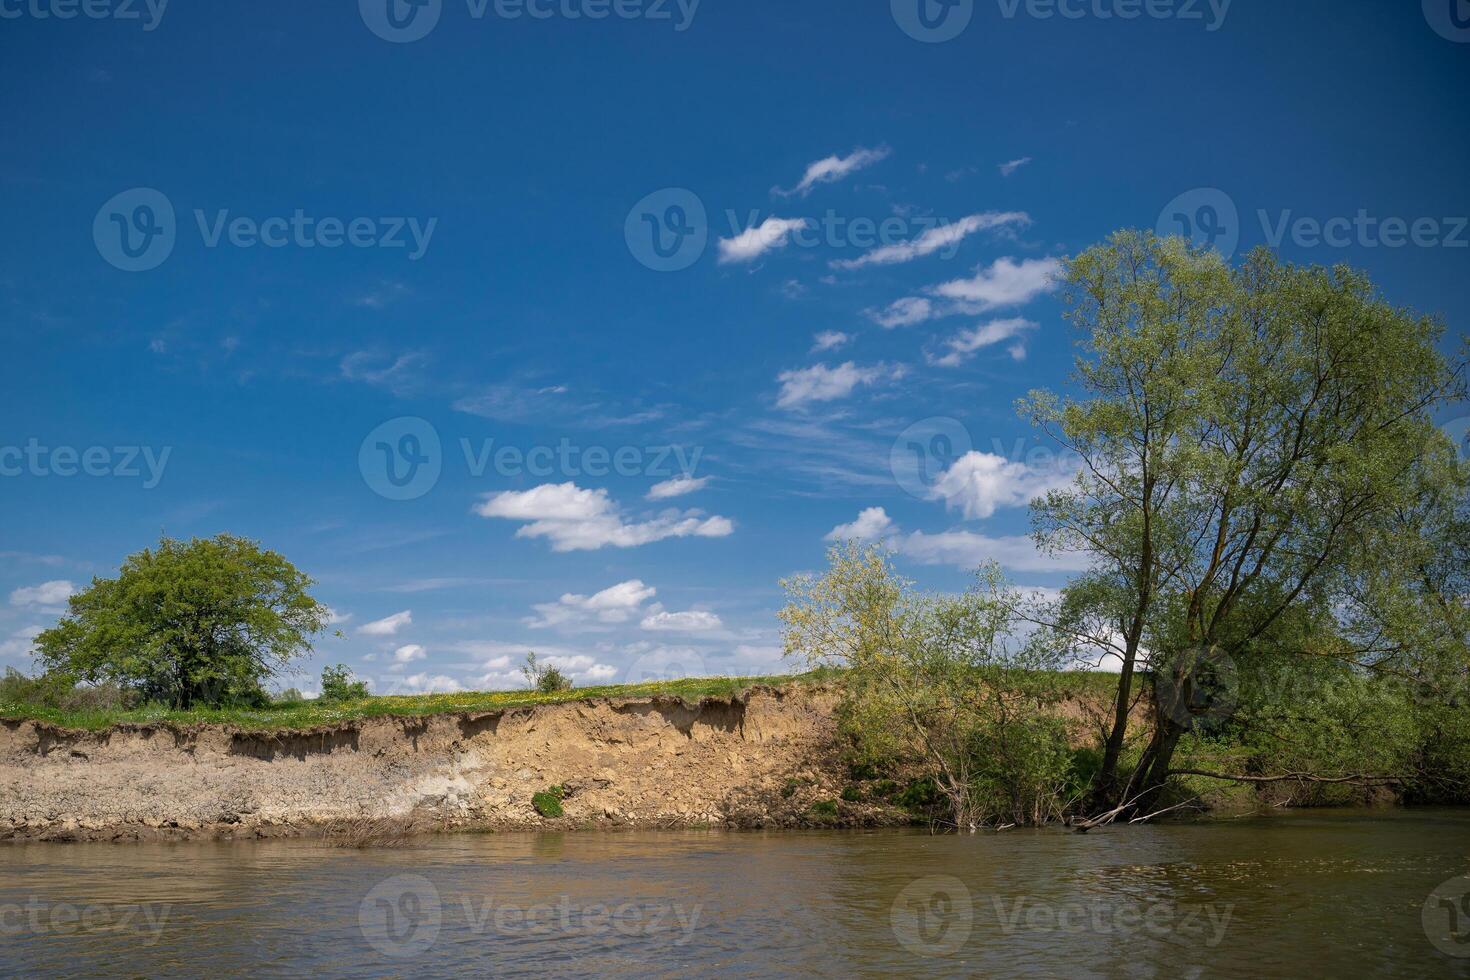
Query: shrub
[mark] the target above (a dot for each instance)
(61, 691)
(548, 802)
(544, 678)
(339, 685)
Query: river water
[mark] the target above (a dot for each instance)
(1302, 894)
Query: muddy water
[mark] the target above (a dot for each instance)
(1301, 894)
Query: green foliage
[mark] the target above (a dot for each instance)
(289, 696)
(339, 685)
(61, 692)
(548, 802)
(544, 678)
(823, 810)
(203, 622)
(935, 684)
(852, 794)
(1261, 473)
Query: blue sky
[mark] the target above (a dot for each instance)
(344, 245)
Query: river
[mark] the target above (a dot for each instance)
(1305, 893)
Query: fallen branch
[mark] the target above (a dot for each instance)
(1150, 816)
(1299, 777)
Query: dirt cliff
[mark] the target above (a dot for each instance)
(662, 762)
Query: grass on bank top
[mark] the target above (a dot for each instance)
(310, 714)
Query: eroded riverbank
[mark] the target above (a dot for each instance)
(761, 757)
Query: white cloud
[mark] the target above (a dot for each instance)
(615, 604)
(388, 625)
(871, 525)
(965, 343)
(820, 383)
(335, 618)
(1010, 167)
(754, 242)
(829, 340)
(978, 483)
(691, 621)
(677, 487)
(48, 595)
(934, 239)
(408, 654)
(425, 684)
(574, 519)
(834, 168)
(967, 549)
(20, 644)
(402, 375)
(1005, 283)
(903, 312)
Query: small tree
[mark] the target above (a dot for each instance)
(339, 685)
(202, 622)
(937, 684)
(543, 677)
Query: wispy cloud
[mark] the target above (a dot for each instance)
(820, 383)
(963, 345)
(834, 168)
(934, 239)
(677, 487)
(47, 595)
(402, 375)
(829, 340)
(1005, 282)
(759, 239)
(388, 625)
(1011, 166)
(614, 604)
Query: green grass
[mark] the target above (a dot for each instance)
(548, 803)
(311, 714)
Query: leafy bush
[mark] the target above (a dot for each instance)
(544, 678)
(288, 697)
(61, 691)
(339, 685)
(935, 686)
(548, 802)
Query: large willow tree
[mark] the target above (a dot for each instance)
(1262, 477)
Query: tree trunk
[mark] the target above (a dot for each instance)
(1106, 792)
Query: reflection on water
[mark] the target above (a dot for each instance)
(1304, 894)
